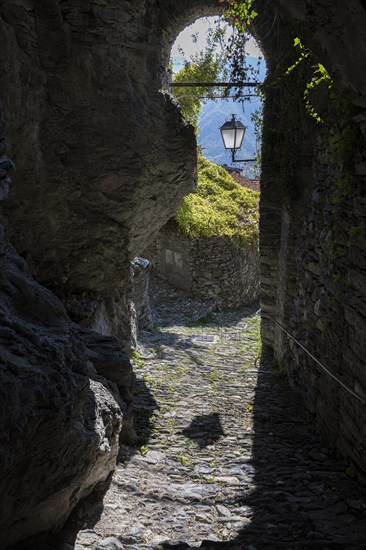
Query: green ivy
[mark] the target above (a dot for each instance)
(242, 13)
(304, 54)
(257, 120)
(319, 76)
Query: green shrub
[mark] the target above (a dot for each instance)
(219, 207)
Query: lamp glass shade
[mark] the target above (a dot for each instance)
(232, 134)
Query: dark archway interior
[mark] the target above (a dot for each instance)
(103, 158)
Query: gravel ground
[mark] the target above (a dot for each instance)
(225, 457)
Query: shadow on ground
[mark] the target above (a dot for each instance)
(204, 430)
(301, 496)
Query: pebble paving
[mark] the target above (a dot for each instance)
(225, 457)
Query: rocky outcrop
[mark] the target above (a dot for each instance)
(103, 156)
(111, 363)
(65, 393)
(122, 314)
(60, 405)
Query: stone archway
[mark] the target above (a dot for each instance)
(103, 159)
(311, 270)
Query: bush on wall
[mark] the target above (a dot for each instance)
(219, 207)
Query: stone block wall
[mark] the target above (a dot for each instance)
(323, 298)
(312, 229)
(214, 269)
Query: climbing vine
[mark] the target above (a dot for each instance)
(241, 13)
(257, 120)
(319, 76)
(288, 118)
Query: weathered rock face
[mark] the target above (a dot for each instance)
(64, 394)
(214, 269)
(103, 157)
(141, 268)
(60, 422)
(123, 313)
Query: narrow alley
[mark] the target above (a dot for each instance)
(225, 454)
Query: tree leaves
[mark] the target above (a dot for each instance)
(208, 65)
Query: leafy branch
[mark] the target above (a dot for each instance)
(208, 65)
(320, 75)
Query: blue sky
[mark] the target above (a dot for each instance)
(214, 114)
(199, 28)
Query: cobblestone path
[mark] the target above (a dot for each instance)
(226, 459)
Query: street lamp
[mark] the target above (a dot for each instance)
(232, 133)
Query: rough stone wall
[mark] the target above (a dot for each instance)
(103, 156)
(65, 393)
(325, 309)
(213, 269)
(222, 272)
(313, 218)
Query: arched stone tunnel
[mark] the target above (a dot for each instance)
(103, 158)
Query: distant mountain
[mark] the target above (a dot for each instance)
(216, 112)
